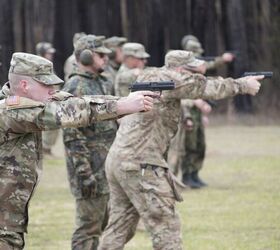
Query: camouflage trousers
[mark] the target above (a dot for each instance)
(49, 138)
(11, 240)
(91, 219)
(187, 150)
(133, 196)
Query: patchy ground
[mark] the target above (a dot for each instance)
(239, 210)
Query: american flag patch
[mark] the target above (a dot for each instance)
(12, 100)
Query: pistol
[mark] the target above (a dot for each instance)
(206, 58)
(152, 86)
(267, 74)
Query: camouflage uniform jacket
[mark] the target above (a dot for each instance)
(69, 66)
(93, 141)
(111, 71)
(124, 78)
(145, 137)
(215, 64)
(21, 123)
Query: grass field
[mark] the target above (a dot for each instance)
(239, 210)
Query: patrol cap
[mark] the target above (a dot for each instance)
(135, 49)
(187, 38)
(37, 67)
(77, 36)
(114, 41)
(43, 47)
(177, 58)
(93, 43)
(194, 46)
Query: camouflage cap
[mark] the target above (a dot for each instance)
(114, 41)
(134, 49)
(77, 36)
(43, 47)
(37, 67)
(194, 46)
(187, 38)
(177, 58)
(93, 43)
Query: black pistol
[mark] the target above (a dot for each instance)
(267, 74)
(152, 86)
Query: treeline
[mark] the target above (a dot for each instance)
(251, 28)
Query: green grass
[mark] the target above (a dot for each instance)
(239, 210)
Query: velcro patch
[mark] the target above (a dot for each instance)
(12, 101)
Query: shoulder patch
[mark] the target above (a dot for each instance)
(13, 101)
(17, 102)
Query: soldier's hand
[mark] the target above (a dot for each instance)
(253, 84)
(228, 57)
(205, 120)
(87, 185)
(136, 102)
(188, 124)
(204, 107)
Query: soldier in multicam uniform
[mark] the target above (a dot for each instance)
(115, 44)
(140, 182)
(47, 51)
(87, 148)
(135, 59)
(28, 105)
(70, 62)
(187, 150)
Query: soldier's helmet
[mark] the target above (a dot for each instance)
(44, 47)
(135, 49)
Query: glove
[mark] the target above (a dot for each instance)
(87, 185)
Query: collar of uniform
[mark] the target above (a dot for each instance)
(85, 74)
(5, 91)
(114, 65)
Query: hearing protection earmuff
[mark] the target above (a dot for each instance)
(86, 57)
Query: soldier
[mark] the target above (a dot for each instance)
(47, 51)
(187, 150)
(135, 59)
(28, 105)
(86, 148)
(70, 63)
(140, 182)
(191, 43)
(115, 44)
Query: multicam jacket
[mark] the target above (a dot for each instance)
(145, 137)
(21, 123)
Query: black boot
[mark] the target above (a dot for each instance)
(196, 179)
(188, 181)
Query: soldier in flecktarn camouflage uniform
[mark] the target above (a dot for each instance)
(187, 150)
(135, 59)
(71, 63)
(141, 185)
(87, 148)
(28, 105)
(115, 44)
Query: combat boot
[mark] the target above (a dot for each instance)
(196, 179)
(188, 181)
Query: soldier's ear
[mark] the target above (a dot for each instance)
(24, 86)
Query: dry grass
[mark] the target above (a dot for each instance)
(239, 210)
